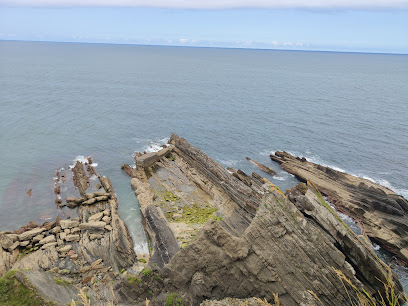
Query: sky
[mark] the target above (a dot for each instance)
(331, 25)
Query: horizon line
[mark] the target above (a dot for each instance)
(209, 47)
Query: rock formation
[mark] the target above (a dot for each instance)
(59, 257)
(378, 210)
(216, 234)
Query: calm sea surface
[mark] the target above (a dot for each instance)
(59, 101)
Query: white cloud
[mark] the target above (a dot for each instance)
(216, 4)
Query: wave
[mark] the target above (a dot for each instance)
(228, 162)
(141, 248)
(155, 145)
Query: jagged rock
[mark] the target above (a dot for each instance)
(75, 230)
(48, 239)
(67, 224)
(95, 225)
(32, 224)
(382, 214)
(62, 235)
(264, 168)
(67, 231)
(106, 212)
(108, 227)
(30, 234)
(49, 225)
(106, 219)
(5, 241)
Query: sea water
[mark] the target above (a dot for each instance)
(60, 101)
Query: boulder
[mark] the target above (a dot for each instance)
(97, 225)
(48, 239)
(72, 238)
(66, 224)
(96, 217)
(5, 241)
(30, 234)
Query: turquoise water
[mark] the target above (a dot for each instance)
(62, 100)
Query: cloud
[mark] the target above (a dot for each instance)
(215, 4)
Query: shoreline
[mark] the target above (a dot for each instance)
(207, 228)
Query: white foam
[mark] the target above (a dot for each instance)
(228, 162)
(94, 164)
(376, 247)
(93, 177)
(81, 159)
(141, 248)
(155, 146)
(279, 178)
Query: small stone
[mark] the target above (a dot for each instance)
(24, 243)
(75, 230)
(13, 237)
(96, 262)
(49, 225)
(53, 270)
(106, 219)
(95, 217)
(68, 224)
(60, 242)
(89, 202)
(95, 236)
(72, 238)
(30, 234)
(98, 225)
(108, 227)
(65, 248)
(38, 238)
(48, 245)
(48, 239)
(56, 230)
(32, 224)
(67, 231)
(85, 269)
(63, 235)
(177, 216)
(14, 246)
(87, 279)
(74, 256)
(106, 212)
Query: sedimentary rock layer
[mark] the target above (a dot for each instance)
(378, 210)
(218, 234)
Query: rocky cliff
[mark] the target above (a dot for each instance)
(215, 235)
(379, 211)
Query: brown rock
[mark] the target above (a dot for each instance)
(32, 224)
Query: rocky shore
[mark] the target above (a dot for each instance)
(382, 214)
(214, 235)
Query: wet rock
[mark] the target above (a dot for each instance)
(264, 168)
(32, 224)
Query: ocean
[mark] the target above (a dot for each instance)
(61, 101)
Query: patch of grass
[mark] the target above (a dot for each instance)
(170, 157)
(142, 260)
(167, 196)
(173, 300)
(132, 279)
(61, 282)
(216, 218)
(13, 293)
(150, 292)
(122, 271)
(193, 214)
(156, 277)
(147, 272)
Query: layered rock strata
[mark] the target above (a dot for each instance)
(58, 258)
(378, 210)
(217, 234)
